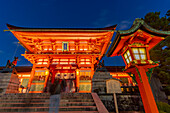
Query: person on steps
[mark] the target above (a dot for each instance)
(55, 90)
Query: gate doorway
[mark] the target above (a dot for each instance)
(67, 82)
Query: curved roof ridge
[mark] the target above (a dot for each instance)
(141, 23)
(15, 28)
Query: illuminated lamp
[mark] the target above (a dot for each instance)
(134, 45)
(136, 54)
(77, 71)
(47, 72)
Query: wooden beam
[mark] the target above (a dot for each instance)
(23, 43)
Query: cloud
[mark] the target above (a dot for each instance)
(123, 25)
(15, 42)
(1, 51)
(125, 22)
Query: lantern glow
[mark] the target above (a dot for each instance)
(139, 53)
(46, 72)
(127, 57)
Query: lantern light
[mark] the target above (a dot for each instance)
(135, 53)
(46, 72)
(139, 53)
(77, 71)
(127, 57)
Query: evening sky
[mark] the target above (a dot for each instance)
(70, 14)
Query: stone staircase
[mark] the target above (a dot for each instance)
(24, 102)
(39, 103)
(77, 102)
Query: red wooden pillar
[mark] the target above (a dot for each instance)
(149, 101)
(32, 76)
(142, 92)
(47, 77)
(53, 77)
(77, 78)
(145, 89)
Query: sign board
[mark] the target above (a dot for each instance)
(113, 86)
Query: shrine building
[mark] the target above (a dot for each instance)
(62, 53)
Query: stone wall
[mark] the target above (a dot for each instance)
(126, 102)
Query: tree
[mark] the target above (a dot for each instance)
(154, 20)
(168, 13)
(161, 52)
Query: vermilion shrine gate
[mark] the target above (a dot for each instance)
(62, 53)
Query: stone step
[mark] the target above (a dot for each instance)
(78, 112)
(24, 101)
(76, 100)
(77, 103)
(77, 97)
(27, 112)
(27, 95)
(15, 98)
(61, 112)
(23, 109)
(43, 104)
(34, 109)
(77, 108)
(74, 94)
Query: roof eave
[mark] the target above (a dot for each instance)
(140, 24)
(114, 44)
(15, 28)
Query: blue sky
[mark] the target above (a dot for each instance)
(70, 14)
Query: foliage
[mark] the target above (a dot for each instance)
(167, 90)
(163, 107)
(156, 22)
(168, 14)
(161, 52)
